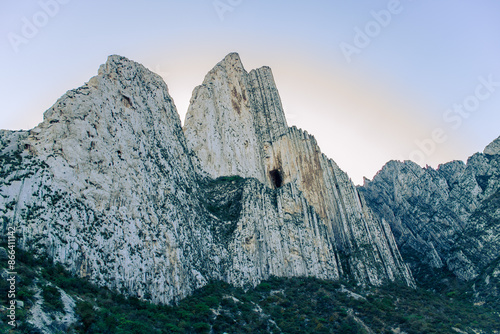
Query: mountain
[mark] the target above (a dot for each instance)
(445, 220)
(113, 190)
(101, 186)
(111, 186)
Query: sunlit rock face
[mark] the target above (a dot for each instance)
(111, 186)
(235, 125)
(445, 218)
(105, 186)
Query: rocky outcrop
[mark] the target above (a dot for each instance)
(111, 186)
(105, 186)
(445, 218)
(236, 125)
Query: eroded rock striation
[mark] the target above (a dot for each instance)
(112, 187)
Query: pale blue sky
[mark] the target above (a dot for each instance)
(381, 105)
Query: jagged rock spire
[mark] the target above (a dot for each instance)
(230, 114)
(235, 125)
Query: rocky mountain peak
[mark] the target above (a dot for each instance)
(445, 220)
(231, 114)
(114, 62)
(230, 63)
(236, 125)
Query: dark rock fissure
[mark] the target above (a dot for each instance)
(276, 178)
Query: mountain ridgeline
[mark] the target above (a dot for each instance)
(111, 186)
(445, 221)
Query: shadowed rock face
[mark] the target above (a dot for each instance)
(445, 218)
(110, 185)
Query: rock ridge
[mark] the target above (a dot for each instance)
(445, 219)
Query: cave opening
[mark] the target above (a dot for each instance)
(276, 178)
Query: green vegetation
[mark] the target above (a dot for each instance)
(231, 178)
(222, 197)
(298, 305)
(52, 299)
(15, 166)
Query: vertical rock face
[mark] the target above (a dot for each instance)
(447, 217)
(110, 185)
(230, 115)
(235, 125)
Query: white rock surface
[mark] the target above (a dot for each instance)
(493, 148)
(230, 115)
(103, 185)
(239, 116)
(49, 322)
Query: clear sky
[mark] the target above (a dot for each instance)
(371, 80)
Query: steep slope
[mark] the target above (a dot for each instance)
(236, 125)
(445, 218)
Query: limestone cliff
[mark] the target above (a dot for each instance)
(105, 186)
(111, 186)
(235, 125)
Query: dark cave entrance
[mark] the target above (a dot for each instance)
(276, 178)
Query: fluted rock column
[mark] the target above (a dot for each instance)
(236, 126)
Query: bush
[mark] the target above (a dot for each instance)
(52, 299)
(201, 327)
(87, 314)
(264, 286)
